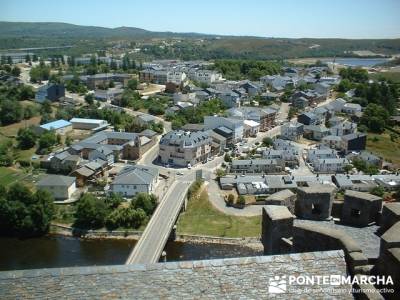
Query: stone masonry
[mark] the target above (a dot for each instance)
(360, 209)
(277, 227)
(236, 278)
(314, 203)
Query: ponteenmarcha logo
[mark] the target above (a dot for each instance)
(277, 285)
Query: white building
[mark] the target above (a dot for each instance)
(206, 76)
(61, 187)
(176, 77)
(181, 148)
(251, 128)
(135, 179)
(88, 124)
(237, 126)
(351, 108)
(329, 165)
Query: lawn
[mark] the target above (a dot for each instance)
(394, 76)
(10, 175)
(381, 145)
(12, 129)
(201, 218)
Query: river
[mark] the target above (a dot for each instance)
(59, 251)
(356, 62)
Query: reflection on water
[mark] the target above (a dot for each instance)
(56, 251)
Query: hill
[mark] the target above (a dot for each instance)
(185, 45)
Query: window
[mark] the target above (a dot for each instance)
(355, 213)
(134, 187)
(316, 209)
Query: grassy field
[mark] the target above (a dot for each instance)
(10, 175)
(201, 218)
(394, 76)
(381, 145)
(12, 129)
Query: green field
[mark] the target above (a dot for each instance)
(393, 76)
(381, 145)
(201, 218)
(9, 176)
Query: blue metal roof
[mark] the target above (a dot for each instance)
(55, 125)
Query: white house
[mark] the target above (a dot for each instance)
(351, 108)
(135, 179)
(61, 187)
(176, 77)
(212, 122)
(251, 128)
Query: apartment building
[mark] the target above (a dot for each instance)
(183, 148)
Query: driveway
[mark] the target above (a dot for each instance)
(216, 198)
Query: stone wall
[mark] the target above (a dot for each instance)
(306, 237)
(314, 203)
(390, 215)
(277, 226)
(360, 209)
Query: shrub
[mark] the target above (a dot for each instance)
(241, 200)
(231, 199)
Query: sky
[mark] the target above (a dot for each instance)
(267, 18)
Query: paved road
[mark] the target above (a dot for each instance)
(152, 242)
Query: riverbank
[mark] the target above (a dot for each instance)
(253, 243)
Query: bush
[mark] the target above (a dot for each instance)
(267, 142)
(220, 173)
(241, 200)
(24, 213)
(91, 212)
(377, 191)
(231, 199)
(227, 158)
(125, 217)
(194, 188)
(146, 202)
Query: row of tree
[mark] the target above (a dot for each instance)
(23, 212)
(379, 99)
(196, 114)
(252, 69)
(92, 212)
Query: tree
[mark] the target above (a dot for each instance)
(46, 107)
(6, 154)
(227, 158)
(267, 142)
(375, 117)
(132, 84)
(347, 168)
(89, 98)
(241, 200)
(68, 140)
(113, 200)
(47, 140)
(39, 73)
(377, 191)
(231, 199)
(91, 212)
(15, 71)
(26, 138)
(145, 201)
(23, 213)
(11, 112)
(220, 173)
(126, 217)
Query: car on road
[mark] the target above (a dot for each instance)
(179, 173)
(189, 166)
